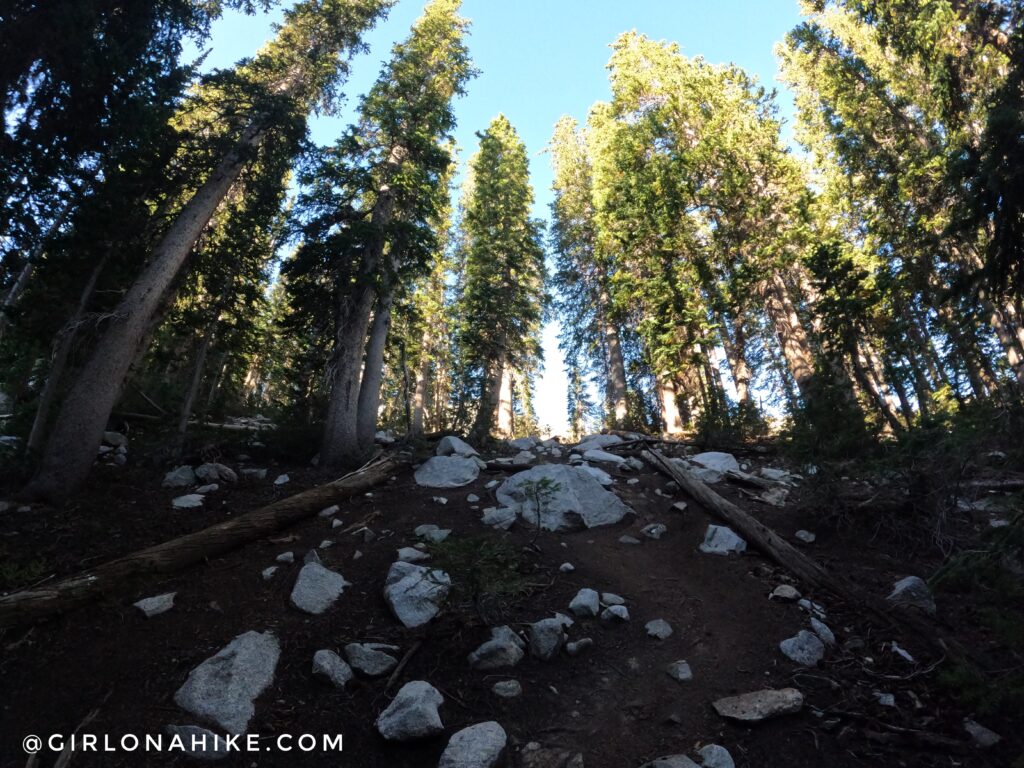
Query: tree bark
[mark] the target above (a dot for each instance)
(668, 398)
(83, 417)
(490, 397)
(65, 341)
(505, 417)
(193, 388)
(735, 345)
(615, 391)
(118, 575)
(793, 341)
(373, 374)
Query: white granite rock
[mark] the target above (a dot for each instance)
(180, 477)
(188, 501)
(154, 606)
(478, 746)
(804, 648)
(447, 472)
(760, 705)
(658, 629)
(587, 603)
(680, 671)
(546, 638)
(913, 591)
(454, 446)
(329, 665)
(317, 588)
(415, 593)
(412, 714)
(576, 499)
(720, 540)
(372, 659)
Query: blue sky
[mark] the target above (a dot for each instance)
(539, 60)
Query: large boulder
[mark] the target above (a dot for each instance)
(415, 593)
(412, 714)
(569, 497)
(478, 746)
(523, 443)
(223, 689)
(455, 446)
(717, 460)
(317, 588)
(597, 442)
(447, 472)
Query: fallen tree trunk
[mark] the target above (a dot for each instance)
(44, 602)
(789, 557)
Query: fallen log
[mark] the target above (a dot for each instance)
(768, 542)
(32, 605)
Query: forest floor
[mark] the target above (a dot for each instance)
(614, 703)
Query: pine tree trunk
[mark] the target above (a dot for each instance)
(191, 393)
(873, 389)
(615, 391)
(66, 339)
(83, 417)
(735, 345)
(490, 394)
(793, 341)
(421, 387)
(505, 416)
(373, 374)
(668, 399)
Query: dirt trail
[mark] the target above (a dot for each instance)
(614, 703)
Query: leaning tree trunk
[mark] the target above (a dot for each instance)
(373, 374)
(78, 432)
(65, 341)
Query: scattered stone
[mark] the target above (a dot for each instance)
(633, 481)
(356, 555)
(478, 746)
(507, 689)
(679, 506)
(492, 484)
(603, 457)
(199, 743)
(412, 555)
(721, 540)
(223, 689)
(415, 593)
(576, 498)
(440, 500)
(412, 714)
(432, 533)
(336, 523)
(597, 442)
(717, 461)
(327, 544)
(317, 588)
(546, 638)
(658, 629)
(822, 631)
(615, 612)
(654, 530)
(785, 593)
(504, 649)
(715, 756)
(610, 598)
(912, 591)
(330, 511)
(454, 446)
(811, 607)
(578, 646)
(567, 568)
(775, 496)
(202, 490)
(805, 648)
(523, 457)
(329, 665)
(447, 472)
(499, 517)
(472, 498)
(587, 603)
(268, 573)
(903, 654)
(627, 539)
(312, 557)
(282, 480)
(680, 671)
(180, 477)
(885, 699)
(154, 606)
(188, 501)
(760, 705)
(805, 536)
(982, 736)
(286, 557)
(777, 475)
(213, 472)
(371, 659)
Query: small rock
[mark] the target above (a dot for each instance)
(822, 631)
(714, 756)
(286, 557)
(415, 593)
(720, 540)
(180, 477)
(587, 603)
(492, 484)
(658, 629)
(912, 591)
(282, 480)
(336, 523)
(504, 649)
(760, 705)
(982, 736)
(116, 439)
(478, 746)
(327, 544)
(268, 573)
(805, 536)
(654, 530)
(432, 533)
(440, 500)
(603, 457)
(188, 501)
(223, 689)
(154, 606)
(811, 607)
(371, 658)
(204, 489)
(454, 446)
(610, 598)
(329, 665)
(805, 648)
(330, 511)
(499, 517)
(567, 568)
(412, 555)
(546, 638)
(412, 714)
(885, 699)
(317, 588)
(785, 593)
(212, 473)
(679, 506)
(312, 557)
(680, 671)
(902, 653)
(507, 689)
(615, 612)
(633, 481)
(578, 646)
